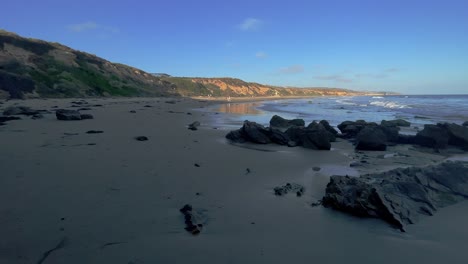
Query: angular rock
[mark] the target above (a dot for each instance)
(396, 122)
(350, 129)
(371, 138)
(327, 126)
(278, 137)
(68, 115)
(87, 116)
(236, 136)
(399, 196)
(194, 125)
(255, 133)
(141, 138)
(316, 139)
(432, 136)
(295, 134)
(320, 126)
(282, 123)
(458, 135)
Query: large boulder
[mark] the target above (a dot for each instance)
(316, 138)
(255, 133)
(396, 122)
(68, 115)
(432, 136)
(371, 138)
(458, 135)
(282, 123)
(236, 136)
(399, 196)
(350, 129)
(278, 137)
(320, 126)
(296, 135)
(328, 127)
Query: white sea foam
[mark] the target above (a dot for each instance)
(389, 104)
(377, 97)
(345, 102)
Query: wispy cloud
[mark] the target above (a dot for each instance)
(261, 55)
(293, 69)
(392, 70)
(334, 77)
(89, 26)
(371, 75)
(251, 24)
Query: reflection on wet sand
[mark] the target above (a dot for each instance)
(240, 108)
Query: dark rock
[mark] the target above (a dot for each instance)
(465, 123)
(20, 110)
(67, 115)
(316, 139)
(396, 122)
(194, 125)
(432, 136)
(190, 222)
(132, 111)
(399, 196)
(391, 132)
(148, 106)
(278, 137)
(292, 144)
(37, 116)
(316, 168)
(87, 116)
(329, 128)
(94, 132)
(255, 133)
(350, 129)
(289, 188)
(279, 122)
(196, 165)
(84, 109)
(170, 102)
(458, 135)
(296, 135)
(406, 139)
(141, 138)
(8, 118)
(371, 138)
(236, 136)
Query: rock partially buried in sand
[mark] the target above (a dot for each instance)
(94, 132)
(68, 115)
(141, 138)
(20, 110)
(8, 118)
(396, 122)
(289, 188)
(194, 125)
(190, 225)
(399, 196)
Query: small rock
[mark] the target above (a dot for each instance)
(197, 165)
(141, 138)
(289, 187)
(316, 168)
(132, 111)
(68, 115)
(94, 132)
(194, 125)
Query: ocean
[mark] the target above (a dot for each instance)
(417, 109)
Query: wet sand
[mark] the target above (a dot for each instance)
(118, 199)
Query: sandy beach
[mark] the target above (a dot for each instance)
(72, 197)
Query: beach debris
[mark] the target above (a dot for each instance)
(194, 125)
(46, 254)
(190, 224)
(400, 196)
(141, 138)
(94, 132)
(289, 188)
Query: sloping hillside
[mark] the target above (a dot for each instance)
(38, 68)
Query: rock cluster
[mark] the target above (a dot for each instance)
(190, 224)
(289, 188)
(399, 196)
(314, 136)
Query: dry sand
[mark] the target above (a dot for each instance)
(118, 201)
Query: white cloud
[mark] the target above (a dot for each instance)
(251, 24)
(88, 26)
(261, 55)
(293, 69)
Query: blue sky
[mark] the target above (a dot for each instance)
(404, 46)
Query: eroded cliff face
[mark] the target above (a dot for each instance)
(236, 87)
